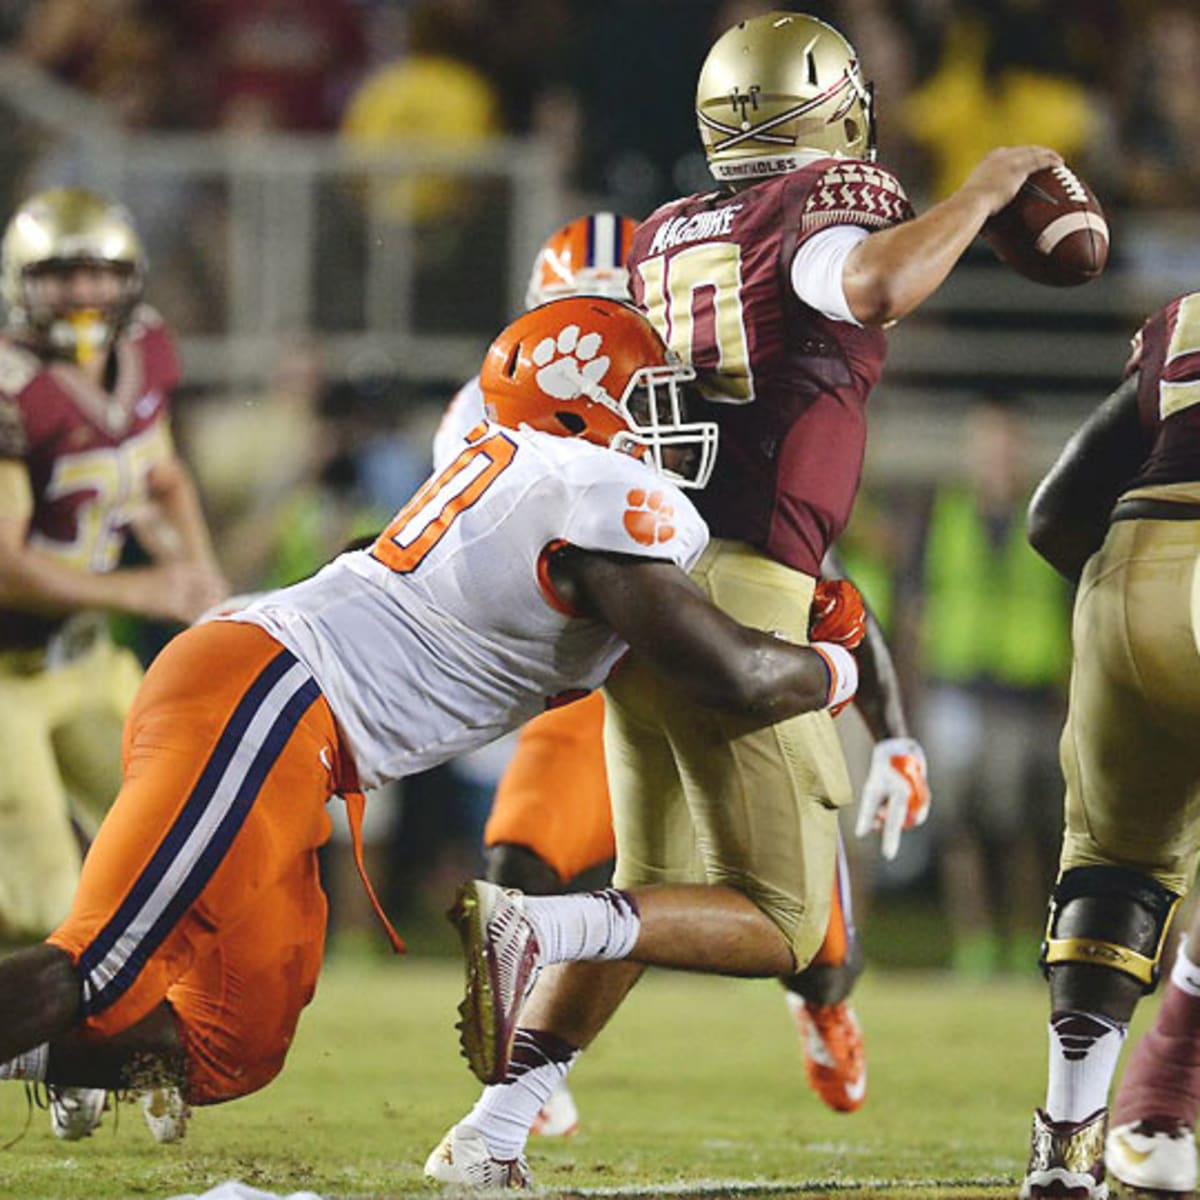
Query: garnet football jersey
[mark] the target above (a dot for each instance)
(787, 386)
(89, 452)
(1166, 356)
(448, 633)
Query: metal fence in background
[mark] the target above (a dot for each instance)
(405, 264)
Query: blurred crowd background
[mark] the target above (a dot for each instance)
(341, 200)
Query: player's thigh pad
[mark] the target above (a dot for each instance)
(762, 803)
(1129, 752)
(553, 796)
(239, 1004)
(224, 789)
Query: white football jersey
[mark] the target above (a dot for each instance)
(447, 632)
(462, 414)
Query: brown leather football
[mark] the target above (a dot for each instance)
(1053, 231)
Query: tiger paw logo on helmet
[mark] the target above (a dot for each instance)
(648, 517)
(568, 365)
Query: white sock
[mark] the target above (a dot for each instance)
(593, 926)
(505, 1111)
(30, 1065)
(1084, 1048)
(1185, 974)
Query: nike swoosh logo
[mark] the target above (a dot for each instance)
(1134, 1155)
(324, 757)
(858, 1089)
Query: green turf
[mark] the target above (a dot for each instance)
(697, 1089)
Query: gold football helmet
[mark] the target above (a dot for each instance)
(777, 91)
(51, 233)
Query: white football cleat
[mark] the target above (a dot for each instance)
(501, 954)
(75, 1112)
(558, 1117)
(463, 1158)
(166, 1114)
(1159, 1156)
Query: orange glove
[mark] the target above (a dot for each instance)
(838, 614)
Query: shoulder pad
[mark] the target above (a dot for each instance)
(18, 368)
(854, 193)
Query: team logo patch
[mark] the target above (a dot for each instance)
(571, 364)
(648, 518)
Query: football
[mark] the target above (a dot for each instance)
(1053, 231)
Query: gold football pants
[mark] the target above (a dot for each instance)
(60, 750)
(700, 797)
(1131, 747)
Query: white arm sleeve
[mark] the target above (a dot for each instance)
(817, 270)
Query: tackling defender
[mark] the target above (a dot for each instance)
(551, 820)
(775, 287)
(512, 579)
(1119, 513)
(86, 375)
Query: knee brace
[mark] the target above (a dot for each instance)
(511, 865)
(1109, 917)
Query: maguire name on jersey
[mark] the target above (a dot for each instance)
(447, 633)
(787, 385)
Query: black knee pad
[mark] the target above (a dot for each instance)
(511, 865)
(1109, 917)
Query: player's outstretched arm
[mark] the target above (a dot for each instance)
(672, 626)
(1068, 515)
(895, 794)
(893, 271)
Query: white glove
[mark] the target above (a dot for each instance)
(896, 794)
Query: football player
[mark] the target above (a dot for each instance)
(775, 286)
(1119, 514)
(86, 375)
(512, 579)
(551, 820)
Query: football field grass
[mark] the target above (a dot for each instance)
(697, 1089)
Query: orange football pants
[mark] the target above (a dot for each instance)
(201, 886)
(553, 796)
(553, 799)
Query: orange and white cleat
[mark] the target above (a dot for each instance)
(834, 1055)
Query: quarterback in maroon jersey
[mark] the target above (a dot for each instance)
(86, 372)
(1119, 514)
(776, 287)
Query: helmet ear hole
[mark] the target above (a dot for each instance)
(851, 127)
(510, 367)
(572, 422)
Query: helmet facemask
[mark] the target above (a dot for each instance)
(66, 328)
(654, 408)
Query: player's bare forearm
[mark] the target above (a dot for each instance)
(671, 625)
(895, 270)
(1068, 515)
(878, 698)
(174, 492)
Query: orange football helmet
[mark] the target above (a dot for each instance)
(586, 257)
(592, 368)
